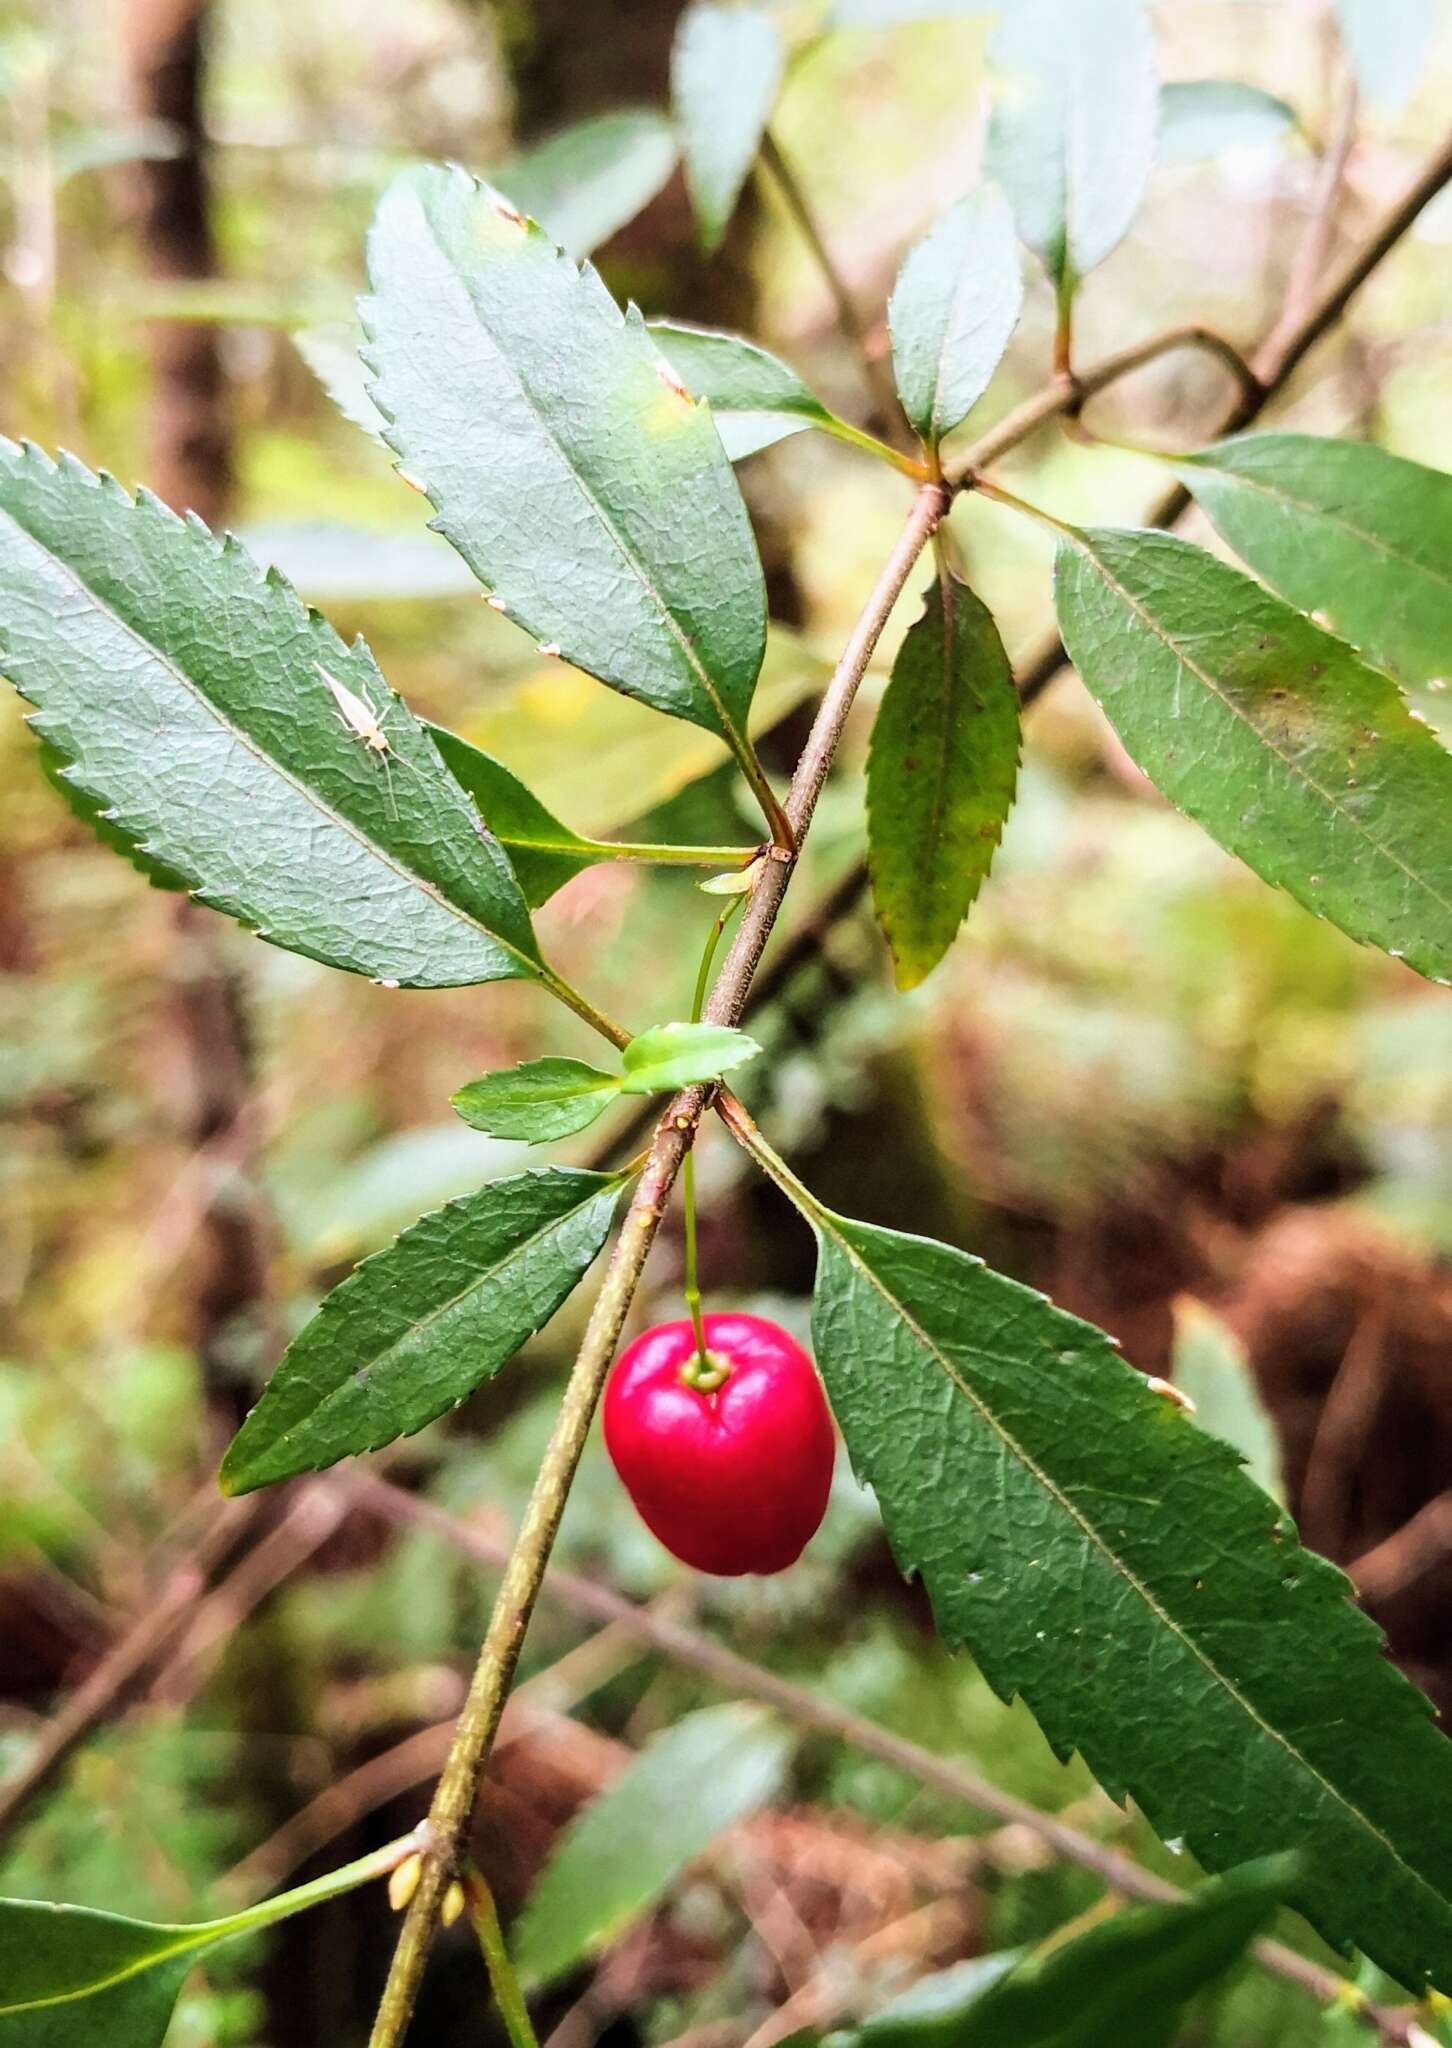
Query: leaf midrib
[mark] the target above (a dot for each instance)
(1166, 639)
(477, 1280)
(1375, 541)
(123, 1975)
(623, 549)
(824, 1222)
(338, 819)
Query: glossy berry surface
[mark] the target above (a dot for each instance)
(732, 1480)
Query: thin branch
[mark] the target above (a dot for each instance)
(879, 377)
(1402, 1558)
(479, 1721)
(738, 1676)
(1314, 246)
(454, 1798)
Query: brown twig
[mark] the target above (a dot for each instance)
(124, 1667)
(738, 1676)
(454, 1798)
(886, 410)
(1401, 1558)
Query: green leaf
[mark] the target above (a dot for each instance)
(587, 182)
(931, 2012)
(940, 777)
(1342, 529)
(69, 1974)
(675, 1055)
(1204, 117)
(954, 307)
(541, 1099)
(726, 71)
(687, 1786)
(188, 695)
(1274, 736)
(415, 1328)
(1211, 1365)
(544, 853)
(580, 485)
(1126, 1980)
(1387, 42)
(90, 812)
(755, 398)
(1112, 1564)
(1072, 133)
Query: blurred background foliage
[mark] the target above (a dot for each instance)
(1142, 1080)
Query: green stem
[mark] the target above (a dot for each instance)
(484, 1918)
(855, 437)
(692, 1282)
(988, 489)
(346, 1879)
(663, 855)
(570, 996)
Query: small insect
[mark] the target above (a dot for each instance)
(364, 723)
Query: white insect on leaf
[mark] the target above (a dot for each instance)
(364, 723)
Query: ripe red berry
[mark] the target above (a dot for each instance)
(732, 1478)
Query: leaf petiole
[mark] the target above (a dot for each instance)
(503, 1979)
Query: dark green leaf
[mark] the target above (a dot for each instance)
(90, 812)
(542, 1099)
(1204, 117)
(413, 1330)
(577, 481)
(1387, 42)
(690, 1783)
(676, 1055)
(755, 398)
(1360, 537)
(1071, 138)
(1280, 741)
(726, 71)
(585, 183)
(940, 778)
(1125, 1981)
(1113, 1565)
(954, 306)
(188, 695)
(544, 853)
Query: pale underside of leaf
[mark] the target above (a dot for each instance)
(726, 70)
(578, 481)
(1111, 1564)
(1072, 135)
(188, 695)
(953, 310)
(416, 1327)
(1287, 747)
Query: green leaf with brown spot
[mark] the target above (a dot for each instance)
(1281, 741)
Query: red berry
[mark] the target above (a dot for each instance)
(733, 1479)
